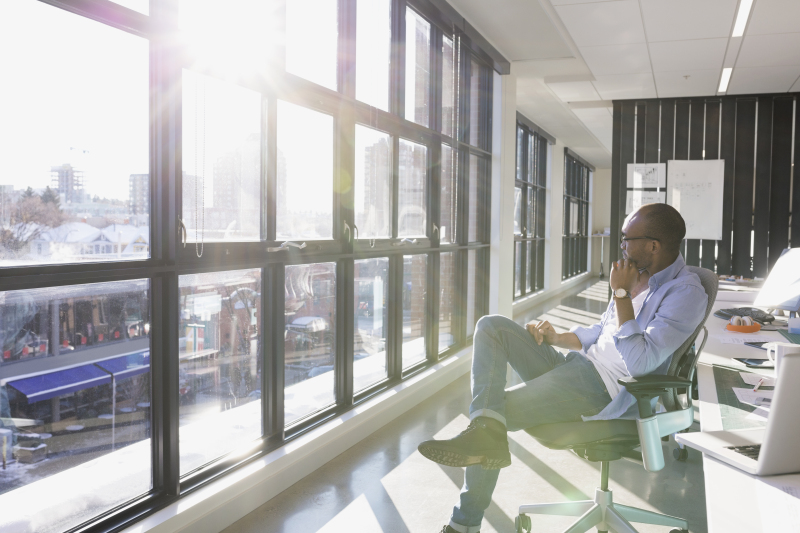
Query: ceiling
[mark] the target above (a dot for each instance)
(571, 58)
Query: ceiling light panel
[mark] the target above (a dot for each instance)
(763, 80)
(725, 79)
(617, 59)
(774, 16)
(699, 54)
(678, 20)
(603, 23)
(741, 18)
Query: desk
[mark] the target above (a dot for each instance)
(736, 501)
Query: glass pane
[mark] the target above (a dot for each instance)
(520, 153)
(518, 272)
(237, 40)
(219, 372)
(414, 291)
(517, 211)
(221, 160)
(447, 300)
(310, 339)
(74, 403)
(531, 158)
(448, 84)
(312, 37)
(413, 171)
(373, 183)
(373, 51)
(302, 215)
(475, 199)
(472, 291)
(475, 98)
(371, 321)
(574, 210)
(68, 159)
(531, 277)
(531, 211)
(418, 60)
(447, 226)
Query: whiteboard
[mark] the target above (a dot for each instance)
(694, 188)
(644, 175)
(636, 199)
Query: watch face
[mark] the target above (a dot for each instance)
(620, 293)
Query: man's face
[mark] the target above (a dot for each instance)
(633, 246)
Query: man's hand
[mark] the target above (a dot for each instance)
(624, 275)
(542, 331)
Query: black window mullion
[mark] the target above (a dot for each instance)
(345, 325)
(273, 377)
(432, 308)
(394, 337)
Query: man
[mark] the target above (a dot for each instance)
(657, 304)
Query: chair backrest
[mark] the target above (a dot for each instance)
(684, 359)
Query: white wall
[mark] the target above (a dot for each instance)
(601, 216)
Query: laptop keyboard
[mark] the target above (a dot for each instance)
(747, 451)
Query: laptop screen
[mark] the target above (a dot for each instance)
(781, 290)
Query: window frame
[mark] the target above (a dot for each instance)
(575, 244)
(172, 257)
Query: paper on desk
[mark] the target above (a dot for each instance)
(741, 339)
(757, 399)
(753, 379)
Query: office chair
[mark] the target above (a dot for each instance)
(610, 440)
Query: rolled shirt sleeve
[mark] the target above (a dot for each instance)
(644, 350)
(589, 335)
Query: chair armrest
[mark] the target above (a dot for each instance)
(652, 383)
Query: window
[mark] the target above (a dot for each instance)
(319, 223)
(530, 198)
(577, 182)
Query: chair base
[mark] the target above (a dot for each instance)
(601, 512)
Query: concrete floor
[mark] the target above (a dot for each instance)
(384, 485)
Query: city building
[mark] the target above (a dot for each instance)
(68, 182)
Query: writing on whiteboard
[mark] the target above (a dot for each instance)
(646, 175)
(695, 190)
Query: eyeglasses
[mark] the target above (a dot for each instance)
(622, 239)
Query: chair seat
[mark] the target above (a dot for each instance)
(564, 435)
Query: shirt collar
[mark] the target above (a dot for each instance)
(669, 273)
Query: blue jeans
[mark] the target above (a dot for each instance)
(555, 389)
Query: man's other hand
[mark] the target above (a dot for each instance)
(542, 331)
(624, 275)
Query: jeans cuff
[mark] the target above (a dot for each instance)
(488, 413)
(465, 529)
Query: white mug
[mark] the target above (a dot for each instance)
(776, 351)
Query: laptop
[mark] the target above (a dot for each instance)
(774, 449)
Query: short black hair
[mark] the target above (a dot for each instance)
(664, 223)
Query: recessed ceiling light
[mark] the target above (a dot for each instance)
(741, 18)
(726, 78)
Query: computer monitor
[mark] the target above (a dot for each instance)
(781, 289)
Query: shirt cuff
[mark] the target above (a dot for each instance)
(631, 327)
(586, 336)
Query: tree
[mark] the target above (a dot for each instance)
(49, 196)
(30, 217)
(29, 193)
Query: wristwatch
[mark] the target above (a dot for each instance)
(621, 293)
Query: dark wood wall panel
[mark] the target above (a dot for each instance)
(753, 134)
(711, 151)
(780, 177)
(762, 191)
(743, 186)
(727, 152)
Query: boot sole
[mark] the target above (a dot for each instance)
(492, 461)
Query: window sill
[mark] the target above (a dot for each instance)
(222, 502)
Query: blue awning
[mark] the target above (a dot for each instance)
(46, 386)
(127, 366)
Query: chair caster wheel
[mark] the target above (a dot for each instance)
(680, 454)
(523, 523)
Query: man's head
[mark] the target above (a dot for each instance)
(652, 235)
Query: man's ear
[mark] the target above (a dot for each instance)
(656, 247)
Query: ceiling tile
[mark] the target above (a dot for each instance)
(597, 121)
(617, 59)
(774, 16)
(603, 23)
(699, 83)
(624, 86)
(678, 20)
(770, 50)
(574, 91)
(796, 87)
(699, 54)
(762, 79)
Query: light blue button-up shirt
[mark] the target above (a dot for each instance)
(671, 312)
